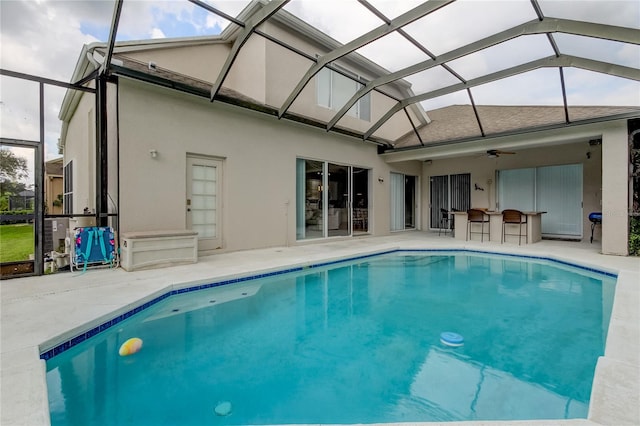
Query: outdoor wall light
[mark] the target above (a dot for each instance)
(153, 153)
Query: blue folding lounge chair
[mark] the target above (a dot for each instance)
(94, 246)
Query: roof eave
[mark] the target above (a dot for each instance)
(477, 144)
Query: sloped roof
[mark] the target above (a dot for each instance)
(53, 167)
(459, 122)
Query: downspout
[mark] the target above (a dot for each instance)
(65, 124)
(92, 60)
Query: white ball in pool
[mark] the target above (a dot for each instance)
(223, 408)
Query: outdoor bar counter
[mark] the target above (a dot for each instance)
(534, 227)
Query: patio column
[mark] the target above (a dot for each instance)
(615, 180)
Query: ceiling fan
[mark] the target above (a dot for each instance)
(495, 153)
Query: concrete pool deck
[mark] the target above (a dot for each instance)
(39, 312)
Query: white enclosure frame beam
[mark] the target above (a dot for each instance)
(113, 31)
(609, 32)
(256, 20)
(384, 29)
(549, 62)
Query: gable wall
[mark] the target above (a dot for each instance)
(285, 69)
(202, 62)
(248, 73)
(79, 147)
(267, 73)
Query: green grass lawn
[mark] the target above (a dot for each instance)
(16, 242)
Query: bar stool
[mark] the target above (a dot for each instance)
(477, 216)
(445, 221)
(514, 217)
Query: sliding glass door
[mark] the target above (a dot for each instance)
(360, 222)
(556, 190)
(559, 193)
(325, 197)
(517, 189)
(449, 192)
(403, 201)
(309, 199)
(339, 196)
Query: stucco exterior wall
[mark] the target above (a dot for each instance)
(201, 61)
(483, 173)
(615, 178)
(248, 73)
(259, 165)
(284, 70)
(53, 185)
(80, 146)
(267, 73)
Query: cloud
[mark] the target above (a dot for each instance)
(41, 38)
(623, 13)
(157, 33)
(175, 18)
(591, 88)
(44, 38)
(537, 87)
(405, 53)
(335, 17)
(599, 49)
(502, 56)
(463, 22)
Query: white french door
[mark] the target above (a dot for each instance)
(204, 185)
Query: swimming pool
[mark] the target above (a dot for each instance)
(352, 342)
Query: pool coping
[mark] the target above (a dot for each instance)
(617, 377)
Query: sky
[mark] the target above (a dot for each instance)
(45, 37)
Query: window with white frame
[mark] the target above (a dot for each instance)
(335, 89)
(67, 196)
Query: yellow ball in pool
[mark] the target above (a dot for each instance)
(131, 346)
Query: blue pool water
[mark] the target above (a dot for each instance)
(354, 342)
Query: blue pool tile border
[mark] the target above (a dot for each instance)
(76, 340)
(520, 256)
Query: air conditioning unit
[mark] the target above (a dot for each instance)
(55, 231)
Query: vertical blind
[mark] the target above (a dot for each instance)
(449, 192)
(397, 201)
(559, 193)
(517, 189)
(556, 190)
(439, 199)
(461, 192)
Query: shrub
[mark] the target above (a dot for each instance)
(16, 216)
(634, 236)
